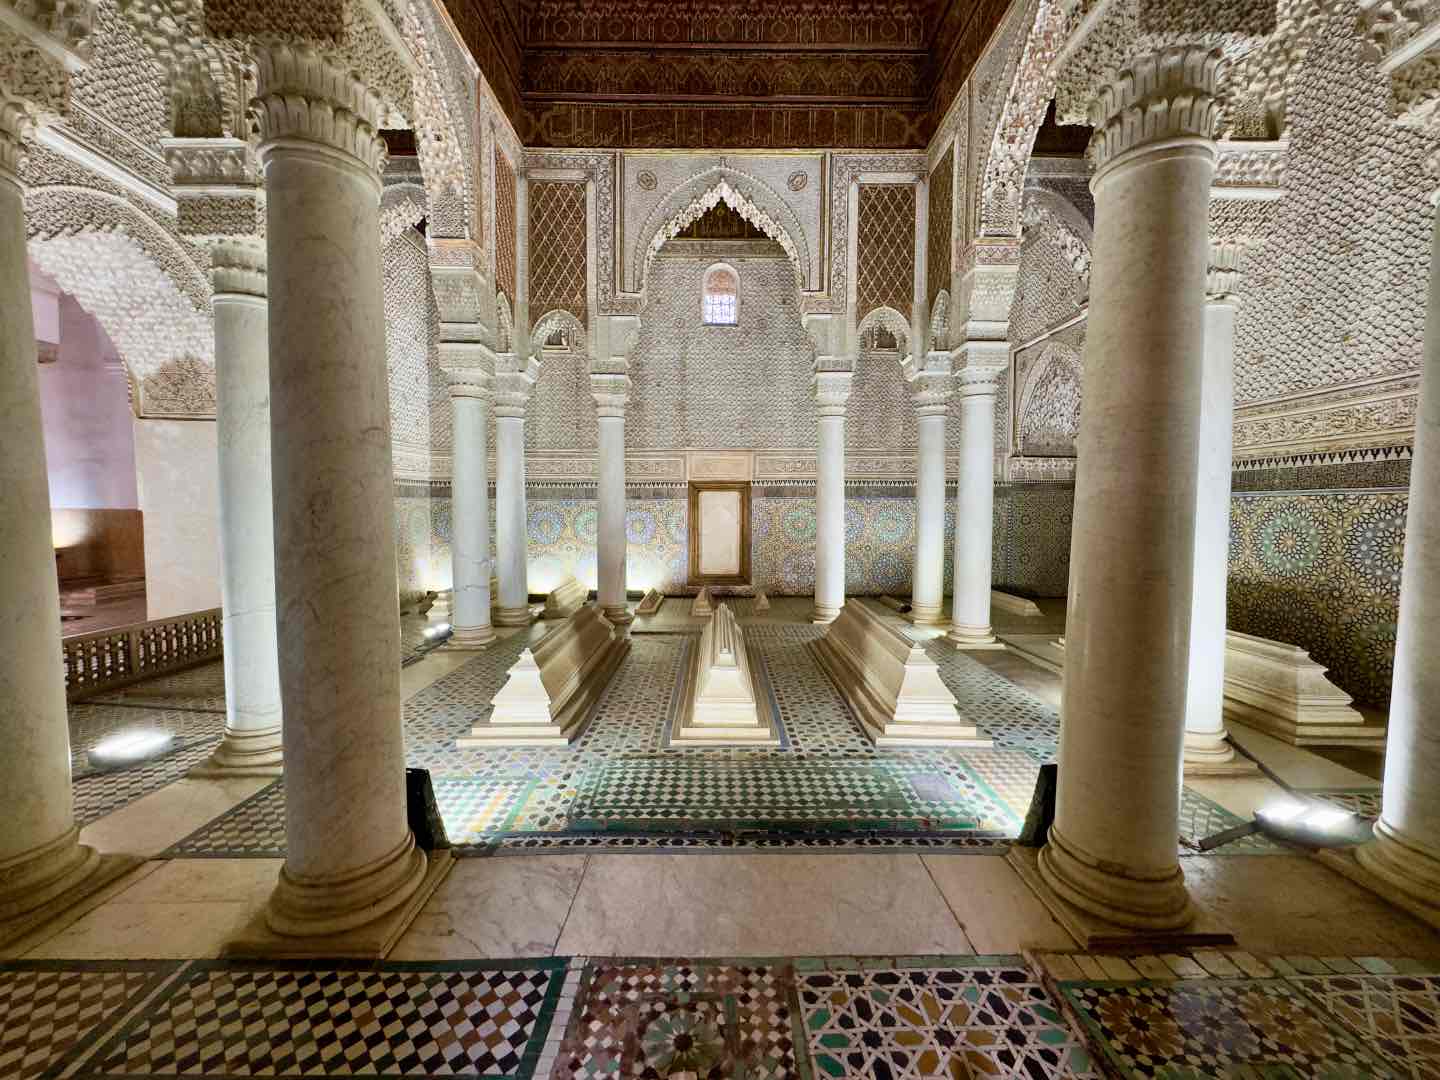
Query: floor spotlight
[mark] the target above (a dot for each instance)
(128, 748)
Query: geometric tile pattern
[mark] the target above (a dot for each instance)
(253, 829)
(91, 722)
(201, 687)
(103, 793)
(648, 1018)
(1201, 817)
(313, 1020)
(1364, 803)
(953, 1016)
(48, 1013)
(1397, 1014)
(1232, 1027)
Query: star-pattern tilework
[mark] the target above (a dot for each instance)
(946, 1016)
(1397, 1014)
(655, 1018)
(1202, 1028)
(405, 1020)
(49, 1011)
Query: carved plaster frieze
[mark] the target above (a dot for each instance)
(1250, 168)
(1039, 470)
(218, 191)
(1379, 420)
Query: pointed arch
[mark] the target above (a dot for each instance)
(559, 319)
(752, 199)
(889, 319)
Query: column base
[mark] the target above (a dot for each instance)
(1135, 901)
(57, 892)
(471, 637)
(925, 614)
(369, 941)
(1095, 933)
(825, 613)
(244, 753)
(1394, 870)
(973, 637)
(1210, 754)
(617, 614)
(514, 616)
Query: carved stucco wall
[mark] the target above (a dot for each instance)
(561, 415)
(417, 392)
(745, 386)
(1335, 292)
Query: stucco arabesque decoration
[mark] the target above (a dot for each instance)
(749, 197)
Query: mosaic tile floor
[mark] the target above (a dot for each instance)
(619, 786)
(832, 1018)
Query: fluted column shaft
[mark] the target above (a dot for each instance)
(1112, 849)
(832, 391)
(1405, 852)
(40, 853)
(252, 741)
(350, 855)
(470, 511)
(1205, 735)
(974, 510)
(610, 399)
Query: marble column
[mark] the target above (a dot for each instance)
(513, 389)
(470, 395)
(1112, 850)
(832, 391)
(975, 496)
(611, 394)
(930, 389)
(351, 862)
(251, 744)
(1405, 852)
(43, 865)
(1206, 742)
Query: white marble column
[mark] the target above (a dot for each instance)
(930, 389)
(251, 745)
(611, 394)
(351, 862)
(975, 496)
(470, 395)
(1405, 852)
(513, 389)
(43, 865)
(1206, 742)
(832, 391)
(1112, 849)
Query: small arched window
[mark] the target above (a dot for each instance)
(720, 301)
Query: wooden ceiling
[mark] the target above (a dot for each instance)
(726, 73)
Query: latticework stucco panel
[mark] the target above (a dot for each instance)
(885, 243)
(939, 222)
(557, 277)
(746, 386)
(1049, 289)
(561, 414)
(505, 226)
(1337, 294)
(411, 342)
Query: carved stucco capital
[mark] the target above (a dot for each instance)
(237, 265)
(34, 74)
(301, 95)
(612, 394)
(514, 385)
(930, 381)
(832, 391)
(1160, 96)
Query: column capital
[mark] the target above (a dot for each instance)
(302, 96)
(832, 391)
(514, 386)
(984, 289)
(612, 393)
(1160, 96)
(931, 383)
(238, 265)
(978, 360)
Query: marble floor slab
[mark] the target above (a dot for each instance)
(997, 910)
(757, 905)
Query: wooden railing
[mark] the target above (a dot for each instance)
(110, 658)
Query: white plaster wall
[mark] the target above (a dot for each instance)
(178, 480)
(89, 447)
